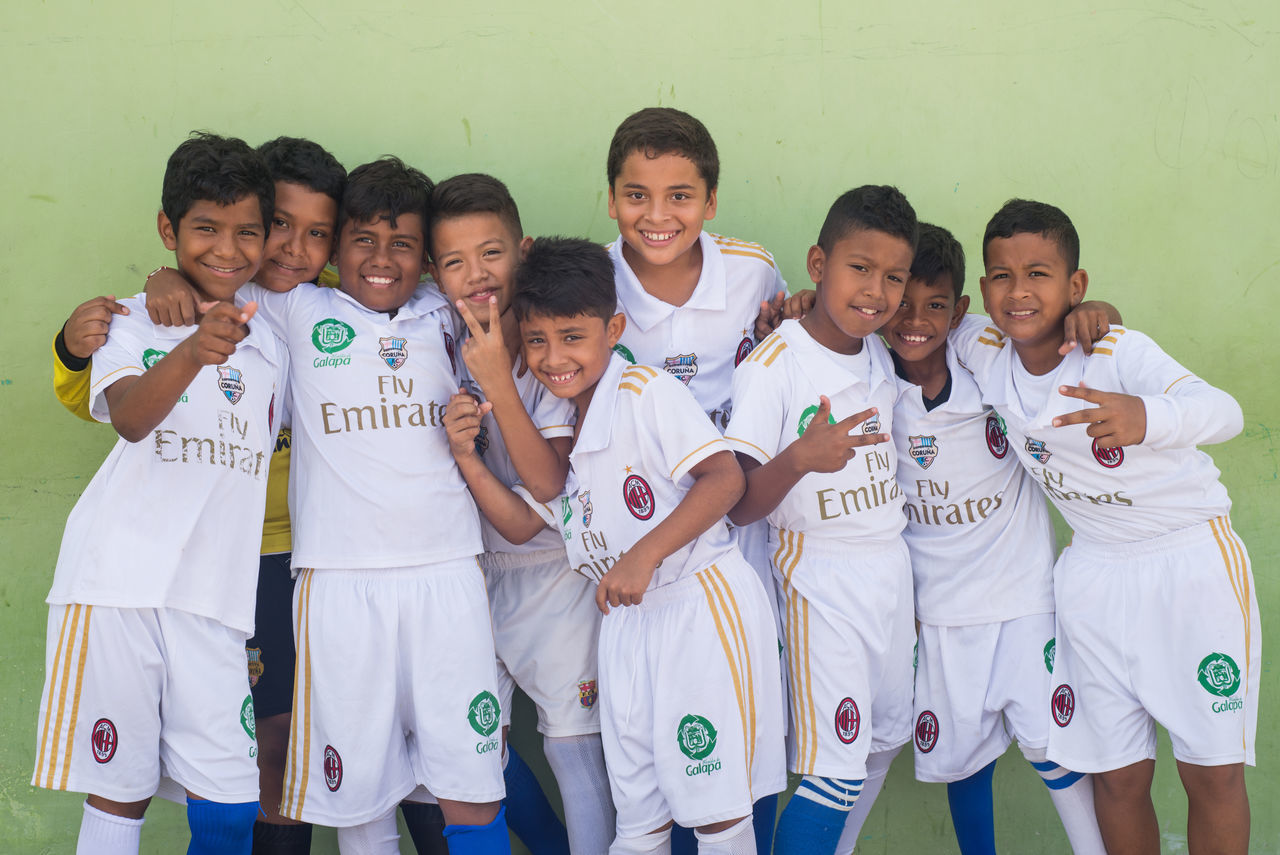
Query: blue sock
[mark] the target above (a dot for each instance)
(218, 828)
(972, 812)
(811, 825)
(764, 816)
(491, 839)
(529, 814)
(682, 841)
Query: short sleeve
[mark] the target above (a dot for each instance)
(677, 427)
(553, 416)
(759, 408)
(542, 509)
(123, 355)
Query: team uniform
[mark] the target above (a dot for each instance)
(689, 687)
(395, 677)
(847, 613)
(545, 622)
(981, 548)
(1156, 614)
(145, 667)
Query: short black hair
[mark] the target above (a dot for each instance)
(386, 187)
(223, 170)
(301, 161)
(1023, 216)
(877, 207)
(563, 278)
(655, 131)
(939, 254)
(475, 193)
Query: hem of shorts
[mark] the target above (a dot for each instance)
(315, 817)
(648, 827)
(115, 795)
(1248, 758)
(944, 776)
(757, 793)
(559, 732)
(1076, 764)
(954, 622)
(881, 747)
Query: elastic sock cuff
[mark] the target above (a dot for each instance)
(69, 361)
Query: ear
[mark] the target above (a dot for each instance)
(524, 246)
(431, 271)
(962, 306)
(1079, 285)
(710, 212)
(816, 262)
(168, 234)
(613, 205)
(982, 286)
(614, 328)
(333, 253)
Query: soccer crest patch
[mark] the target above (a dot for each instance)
(924, 449)
(997, 437)
(585, 499)
(394, 351)
(744, 350)
(638, 497)
(926, 731)
(1108, 457)
(1036, 448)
(848, 721)
(587, 694)
(254, 655)
(683, 367)
(231, 383)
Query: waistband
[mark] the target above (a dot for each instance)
(1217, 528)
(730, 568)
(498, 561)
(786, 543)
(469, 564)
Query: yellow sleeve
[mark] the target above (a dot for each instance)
(71, 387)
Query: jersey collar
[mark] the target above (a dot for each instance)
(1003, 396)
(965, 397)
(425, 300)
(646, 311)
(597, 422)
(829, 376)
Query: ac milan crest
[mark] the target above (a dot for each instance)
(448, 348)
(332, 769)
(997, 439)
(104, 740)
(926, 731)
(744, 350)
(638, 496)
(847, 721)
(1063, 705)
(1108, 457)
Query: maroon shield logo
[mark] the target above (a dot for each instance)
(332, 769)
(744, 350)
(926, 731)
(104, 740)
(847, 721)
(1064, 705)
(997, 441)
(638, 496)
(1108, 457)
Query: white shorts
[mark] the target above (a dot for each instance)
(395, 688)
(546, 628)
(1164, 630)
(848, 613)
(134, 695)
(977, 687)
(689, 701)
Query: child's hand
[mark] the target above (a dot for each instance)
(781, 308)
(485, 352)
(462, 417)
(86, 330)
(1084, 326)
(626, 581)
(1117, 420)
(221, 328)
(799, 304)
(827, 447)
(171, 301)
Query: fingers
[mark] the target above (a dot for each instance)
(495, 322)
(469, 319)
(824, 410)
(856, 419)
(113, 307)
(1088, 416)
(1083, 392)
(602, 599)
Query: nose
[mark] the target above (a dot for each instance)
(226, 244)
(380, 257)
(293, 243)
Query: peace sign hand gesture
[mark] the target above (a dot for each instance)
(1117, 419)
(484, 351)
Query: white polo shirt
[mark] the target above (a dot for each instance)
(641, 435)
(175, 519)
(1122, 495)
(372, 484)
(776, 394)
(701, 342)
(980, 537)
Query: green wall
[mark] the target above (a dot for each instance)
(1154, 124)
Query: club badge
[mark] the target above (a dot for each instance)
(231, 383)
(924, 449)
(394, 351)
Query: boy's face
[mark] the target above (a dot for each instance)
(301, 237)
(380, 264)
(217, 247)
(570, 355)
(660, 204)
(927, 312)
(1028, 290)
(475, 259)
(860, 284)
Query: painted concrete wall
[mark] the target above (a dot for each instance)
(1154, 124)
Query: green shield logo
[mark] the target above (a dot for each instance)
(247, 720)
(1050, 648)
(807, 416)
(151, 357)
(484, 714)
(624, 353)
(696, 737)
(1219, 675)
(332, 335)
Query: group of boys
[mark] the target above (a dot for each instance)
(646, 489)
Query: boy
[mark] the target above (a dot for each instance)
(145, 659)
(308, 183)
(981, 549)
(689, 703)
(1156, 617)
(389, 598)
(847, 613)
(545, 622)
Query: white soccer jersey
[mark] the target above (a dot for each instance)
(979, 533)
(553, 417)
(373, 483)
(1117, 495)
(776, 396)
(194, 491)
(641, 435)
(702, 341)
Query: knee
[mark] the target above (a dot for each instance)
(220, 827)
(1128, 784)
(645, 844)
(1213, 784)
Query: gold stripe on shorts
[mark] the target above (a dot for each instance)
(1237, 565)
(719, 613)
(746, 655)
(55, 748)
(296, 791)
(75, 697)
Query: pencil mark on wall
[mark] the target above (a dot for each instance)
(1249, 146)
(313, 18)
(1261, 273)
(466, 127)
(1182, 125)
(40, 197)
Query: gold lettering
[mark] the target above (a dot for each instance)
(359, 413)
(161, 442)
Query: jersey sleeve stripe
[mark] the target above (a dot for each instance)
(718, 439)
(1176, 382)
(767, 343)
(1104, 351)
(741, 441)
(546, 428)
(631, 387)
(782, 345)
(735, 670)
(748, 254)
(992, 342)
(995, 331)
(643, 369)
(75, 697)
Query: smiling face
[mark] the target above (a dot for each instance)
(926, 313)
(301, 238)
(217, 247)
(570, 355)
(1028, 291)
(475, 257)
(860, 284)
(660, 204)
(380, 264)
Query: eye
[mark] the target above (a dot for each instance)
(319, 234)
(896, 279)
(635, 196)
(451, 263)
(400, 244)
(491, 253)
(250, 233)
(937, 306)
(364, 239)
(902, 304)
(533, 339)
(680, 197)
(861, 268)
(277, 223)
(999, 276)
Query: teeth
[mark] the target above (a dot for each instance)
(1022, 313)
(562, 378)
(223, 269)
(379, 280)
(658, 236)
(914, 339)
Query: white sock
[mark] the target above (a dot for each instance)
(877, 768)
(738, 839)
(589, 817)
(1073, 802)
(375, 837)
(657, 843)
(103, 833)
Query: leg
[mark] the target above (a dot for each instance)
(656, 842)
(475, 829)
(110, 828)
(764, 817)
(1126, 816)
(813, 819)
(219, 827)
(376, 837)
(1217, 809)
(425, 822)
(578, 764)
(730, 837)
(1072, 796)
(973, 813)
(878, 764)
(529, 814)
